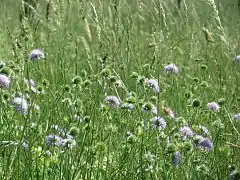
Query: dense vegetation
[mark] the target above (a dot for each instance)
(117, 89)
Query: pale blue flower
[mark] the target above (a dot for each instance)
(4, 81)
(213, 106)
(20, 104)
(36, 54)
(152, 83)
(171, 68)
(236, 116)
(113, 101)
(158, 123)
(176, 158)
(186, 132)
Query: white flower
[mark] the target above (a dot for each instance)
(20, 104)
(171, 68)
(154, 110)
(158, 123)
(113, 101)
(36, 54)
(237, 58)
(236, 116)
(4, 81)
(213, 106)
(152, 83)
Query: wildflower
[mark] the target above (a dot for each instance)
(54, 140)
(237, 58)
(176, 158)
(159, 123)
(36, 54)
(24, 145)
(213, 106)
(236, 116)
(129, 133)
(171, 68)
(127, 106)
(113, 101)
(205, 143)
(152, 83)
(4, 81)
(20, 104)
(186, 132)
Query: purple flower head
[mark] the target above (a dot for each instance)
(20, 104)
(213, 106)
(171, 68)
(54, 140)
(158, 123)
(186, 132)
(206, 143)
(4, 81)
(113, 101)
(176, 158)
(36, 54)
(152, 83)
(236, 116)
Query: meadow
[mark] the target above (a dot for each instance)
(117, 89)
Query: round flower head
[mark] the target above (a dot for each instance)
(54, 140)
(20, 104)
(113, 101)
(213, 106)
(152, 83)
(186, 132)
(4, 81)
(36, 54)
(159, 123)
(236, 116)
(205, 143)
(171, 68)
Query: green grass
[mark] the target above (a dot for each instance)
(94, 49)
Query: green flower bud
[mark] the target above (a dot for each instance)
(74, 131)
